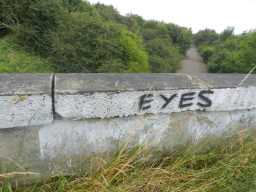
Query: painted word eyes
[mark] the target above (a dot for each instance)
(185, 100)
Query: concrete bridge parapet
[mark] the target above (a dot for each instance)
(50, 122)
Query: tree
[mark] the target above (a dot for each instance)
(41, 21)
(206, 36)
(108, 12)
(163, 56)
(79, 37)
(89, 44)
(180, 36)
(13, 12)
(227, 33)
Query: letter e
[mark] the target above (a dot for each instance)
(145, 101)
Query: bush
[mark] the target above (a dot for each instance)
(230, 53)
(181, 37)
(42, 20)
(13, 59)
(87, 44)
(79, 37)
(206, 36)
(247, 52)
(206, 52)
(163, 56)
(14, 11)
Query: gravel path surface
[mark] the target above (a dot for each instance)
(193, 63)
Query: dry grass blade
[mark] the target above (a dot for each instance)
(17, 174)
(229, 165)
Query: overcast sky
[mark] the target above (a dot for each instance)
(197, 14)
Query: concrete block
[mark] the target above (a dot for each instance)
(111, 104)
(90, 83)
(20, 150)
(64, 140)
(225, 80)
(25, 100)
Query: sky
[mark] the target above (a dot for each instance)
(195, 14)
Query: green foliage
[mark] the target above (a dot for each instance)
(134, 23)
(87, 44)
(247, 51)
(155, 29)
(6, 187)
(165, 44)
(134, 53)
(42, 20)
(164, 57)
(73, 5)
(79, 37)
(206, 52)
(181, 36)
(227, 33)
(229, 53)
(13, 11)
(206, 36)
(13, 59)
(108, 12)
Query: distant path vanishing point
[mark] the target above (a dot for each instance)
(193, 63)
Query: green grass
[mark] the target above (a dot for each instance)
(13, 59)
(227, 165)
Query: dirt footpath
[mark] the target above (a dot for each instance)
(193, 63)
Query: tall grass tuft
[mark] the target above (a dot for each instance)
(226, 165)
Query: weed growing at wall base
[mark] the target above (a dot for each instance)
(227, 164)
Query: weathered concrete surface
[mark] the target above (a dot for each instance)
(225, 80)
(75, 98)
(124, 104)
(20, 150)
(97, 113)
(59, 148)
(25, 100)
(65, 141)
(90, 83)
(69, 84)
(25, 84)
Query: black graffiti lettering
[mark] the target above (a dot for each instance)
(167, 100)
(207, 101)
(186, 97)
(145, 101)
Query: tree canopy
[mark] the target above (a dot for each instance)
(77, 36)
(227, 52)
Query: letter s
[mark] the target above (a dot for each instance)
(207, 101)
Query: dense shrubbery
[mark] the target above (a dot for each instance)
(78, 37)
(165, 44)
(90, 45)
(226, 52)
(38, 27)
(14, 59)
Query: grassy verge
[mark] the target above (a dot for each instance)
(228, 165)
(13, 59)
